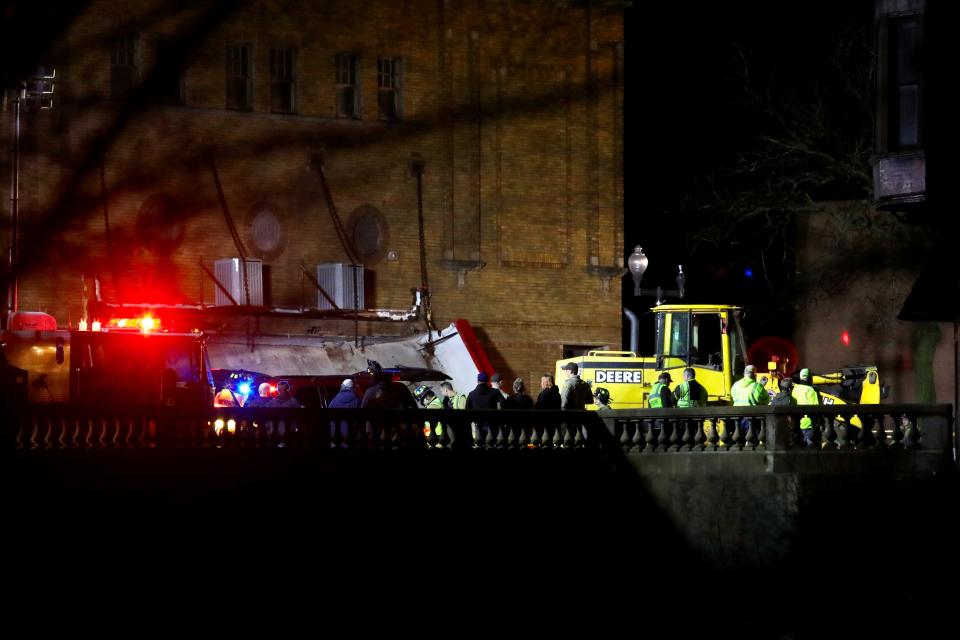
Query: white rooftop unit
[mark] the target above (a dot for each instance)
(339, 280)
(229, 272)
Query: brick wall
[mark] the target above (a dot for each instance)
(515, 108)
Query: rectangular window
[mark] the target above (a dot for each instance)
(169, 73)
(239, 85)
(905, 91)
(282, 81)
(124, 68)
(348, 91)
(388, 87)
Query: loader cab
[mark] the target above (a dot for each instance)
(707, 338)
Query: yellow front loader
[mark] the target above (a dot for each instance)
(709, 339)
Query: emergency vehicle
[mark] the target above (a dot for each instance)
(709, 339)
(126, 362)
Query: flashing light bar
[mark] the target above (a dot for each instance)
(146, 324)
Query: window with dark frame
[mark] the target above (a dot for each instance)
(282, 81)
(388, 87)
(348, 92)
(239, 85)
(124, 67)
(168, 88)
(905, 100)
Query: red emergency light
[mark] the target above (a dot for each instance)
(845, 338)
(146, 324)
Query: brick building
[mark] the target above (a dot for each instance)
(512, 109)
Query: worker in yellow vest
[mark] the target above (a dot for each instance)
(804, 393)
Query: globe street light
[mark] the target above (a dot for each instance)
(637, 263)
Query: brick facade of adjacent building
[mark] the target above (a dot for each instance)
(515, 109)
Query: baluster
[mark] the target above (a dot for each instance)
(446, 435)
(34, 438)
(880, 437)
(897, 435)
(663, 438)
(699, 438)
(650, 435)
(911, 435)
(524, 436)
(489, 439)
(752, 437)
(727, 439)
(638, 439)
(557, 435)
(61, 423)
(501, 440)
(843, 429)
(578, 435)
(22, 437)
(712, 433)
(676, 434)
(537, 435)
(829, 433)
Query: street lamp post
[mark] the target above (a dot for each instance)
(637, 264)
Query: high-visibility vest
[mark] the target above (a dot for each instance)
(805, 394)
(748, 393)
(655, 401)
(684, 397)
(436, 403)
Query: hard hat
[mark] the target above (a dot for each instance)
(422, 391)
(601, 394)
(804, 374)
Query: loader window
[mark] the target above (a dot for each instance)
(706, 349)
(680, 336)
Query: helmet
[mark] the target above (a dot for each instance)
(602, 395)
(374, 368)
(422, 392)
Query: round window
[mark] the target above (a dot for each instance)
(266, 231)
(368, 230)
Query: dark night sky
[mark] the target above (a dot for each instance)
(682, 114)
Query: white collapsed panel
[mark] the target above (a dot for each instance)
(451, 356)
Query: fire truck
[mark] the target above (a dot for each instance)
(128, 362)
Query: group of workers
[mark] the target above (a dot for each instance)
(264, 397)
(745, 392)
(574, 394)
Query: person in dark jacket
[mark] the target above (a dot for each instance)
(284, 398)
(785, 397)
(385, 393)
(519, 399)
(483, 397)
(346, 398)
(549, 397)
